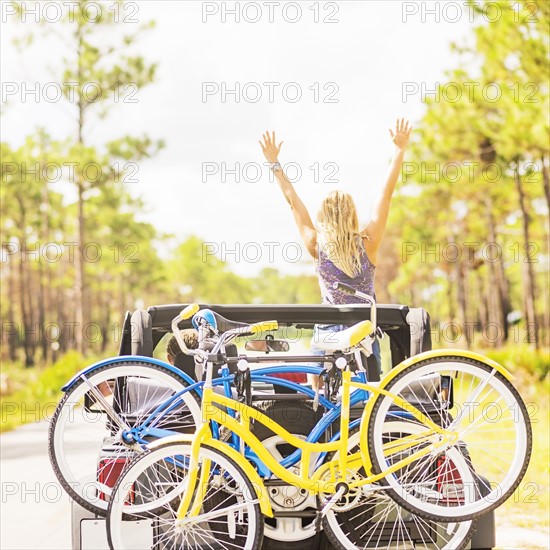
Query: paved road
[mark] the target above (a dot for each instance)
(36, 512)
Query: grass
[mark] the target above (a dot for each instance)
(32, 394)
(529, 506)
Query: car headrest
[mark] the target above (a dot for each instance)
(142, 333)
(186, 364)
(421, 337)
(125, 347)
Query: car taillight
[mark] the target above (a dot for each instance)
(298, 377)
(108, 472)
(449, 482)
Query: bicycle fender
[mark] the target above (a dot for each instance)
(125, 359)
(223, 448)
(446, 353)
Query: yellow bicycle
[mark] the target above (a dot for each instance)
(423, 439)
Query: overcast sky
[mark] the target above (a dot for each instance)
(360, 63)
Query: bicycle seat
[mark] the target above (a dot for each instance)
(222, 324)
(227, 324)
(345, 339)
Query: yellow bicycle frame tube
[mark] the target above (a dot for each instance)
(316, 483)
(263, 326)
(223, 448)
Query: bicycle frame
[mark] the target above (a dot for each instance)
(331, 477)
(324, 479)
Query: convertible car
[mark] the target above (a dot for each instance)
(405, 332)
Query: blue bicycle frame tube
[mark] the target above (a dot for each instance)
(148, 429)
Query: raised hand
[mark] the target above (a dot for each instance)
(269, 147)
(402, 133)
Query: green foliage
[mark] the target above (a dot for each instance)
(271, 287)
(521, 358)
(471, 136)
(37, 398)
(194, 274)
(458, 183)
(102, 64)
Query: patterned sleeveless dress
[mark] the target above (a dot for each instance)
(328, 274)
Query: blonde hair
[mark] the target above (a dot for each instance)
(338, 229)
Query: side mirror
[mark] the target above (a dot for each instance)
(266, 345)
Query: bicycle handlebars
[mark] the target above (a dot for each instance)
(224, 337)
(367, 298)
(254, 328)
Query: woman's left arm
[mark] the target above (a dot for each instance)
(377, 225)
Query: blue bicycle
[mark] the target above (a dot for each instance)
(108, 394)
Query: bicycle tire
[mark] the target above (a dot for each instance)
(376, 521)
(155, 471)
(75, 462)
(516, 420)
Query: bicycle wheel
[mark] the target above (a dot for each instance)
(485, 414)
(84, 443)
(150, 490)
(290, 532)
(368, 518)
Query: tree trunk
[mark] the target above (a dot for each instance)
(25, 305)
(498, 295)
(545, 287)
(504, 292)
(482, 301)
(105, 314)
(64, 343)
(33, 329)
(462, 297)
(527, 266)
(452, 333)
(546, 181)
(79, 275)
(80, 283)
(412, 294)
(546, 314)
(121, 294)
(26, 322)
(45, 274)
(42, 312)
(493, 328)
(450, 299)
(12, 340)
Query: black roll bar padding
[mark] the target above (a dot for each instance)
(141, 333)
(421, 336)
(125, 346)
(391, 318)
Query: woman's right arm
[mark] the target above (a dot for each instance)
(301, 215)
